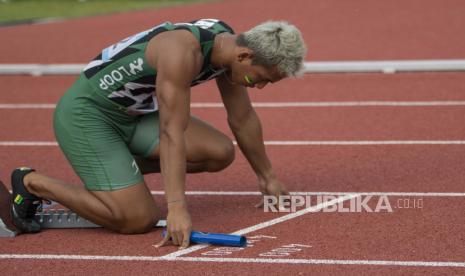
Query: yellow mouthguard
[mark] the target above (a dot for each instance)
(248, 79)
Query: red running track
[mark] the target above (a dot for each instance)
(359, 30)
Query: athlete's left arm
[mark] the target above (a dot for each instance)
(247, 129)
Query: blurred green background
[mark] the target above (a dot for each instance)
(17, 11)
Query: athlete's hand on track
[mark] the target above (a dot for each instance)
(272, 187)
(179, 226)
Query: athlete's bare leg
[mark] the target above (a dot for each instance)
(131, 210)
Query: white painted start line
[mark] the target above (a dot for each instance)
(280, 143)
(233, 260)
(279, 104)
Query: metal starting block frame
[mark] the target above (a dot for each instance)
(61, 218)
(48, 218)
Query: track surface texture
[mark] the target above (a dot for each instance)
(368, 146)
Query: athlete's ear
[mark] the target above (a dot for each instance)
(244, 54)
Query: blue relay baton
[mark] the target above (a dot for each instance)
(217, 239)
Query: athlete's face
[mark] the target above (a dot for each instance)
(254, 76)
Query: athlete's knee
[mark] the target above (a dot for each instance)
(136, 227)
(136, 223)
(129, 227)
(228, 153)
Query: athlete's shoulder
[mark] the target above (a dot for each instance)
(214, 25)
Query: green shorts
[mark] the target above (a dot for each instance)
(100, 139)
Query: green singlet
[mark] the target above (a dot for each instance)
(110, 113)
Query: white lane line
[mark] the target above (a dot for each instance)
(282, 143)
(340, 104)
(27, 106)
(367, 66)
(323, 261)
(266, 224)
(365, 143)
(254, 193)
(281, 104)
(232, 260)
(28, 144)
(79, 257)
(384, 66)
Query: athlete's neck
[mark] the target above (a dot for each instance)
(223, 51)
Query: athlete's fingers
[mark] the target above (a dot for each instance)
(186, 241)
(164, 241)
(181, 238)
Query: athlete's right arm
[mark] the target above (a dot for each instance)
(177, 63)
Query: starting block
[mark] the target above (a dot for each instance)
(48, 218)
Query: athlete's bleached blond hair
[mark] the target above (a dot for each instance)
(276, 43)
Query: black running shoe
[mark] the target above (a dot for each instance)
(24, 204)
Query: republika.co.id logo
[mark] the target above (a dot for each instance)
(356, 204)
